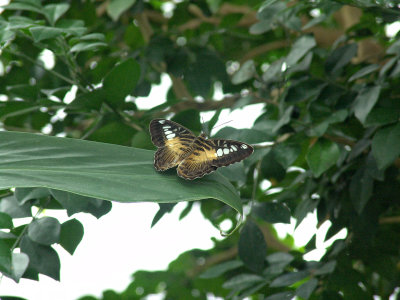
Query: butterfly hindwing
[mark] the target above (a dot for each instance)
(174, 142)
(208, 155)
(194, 156)
(229, 152)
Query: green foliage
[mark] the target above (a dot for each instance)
(326, 138)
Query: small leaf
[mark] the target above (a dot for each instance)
(55, 11)
(5, 221)
(242, 281)
(322, 155)
(45, 231)
(306, 289)
(121, 81)
(116, 7)
(284, 119)
(261, 27)
(340, 57)
(5, 258)
(74, 203)
(20, 262)
(361, 187)
(270, 168)
(289, 279)
(25, 194)
(71, 235)
(87, 46)
(29, 6)
(326, 268)
(164, 209)
(40, 33)
(42, 259)
(300, 48)
(272, 212)
(252, 247)
(10, 206)
(364, 71)
(246, 72)
(385, 145)
(365, 101)
(281, 296)
(220, 269)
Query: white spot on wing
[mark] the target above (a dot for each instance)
(170, 136)
(220, 152)
(167, 132)
(233, 147)
(161, 121)
(166, 127)
(226, 151)
(243, 146)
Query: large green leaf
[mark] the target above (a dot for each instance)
(103, 171)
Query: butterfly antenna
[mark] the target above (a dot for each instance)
(223, 124)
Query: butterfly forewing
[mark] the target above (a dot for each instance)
(174, 142)
(194, 156)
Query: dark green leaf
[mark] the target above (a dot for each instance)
(164, 208)
(42, 259)
(116, 7)
(5, 257)
(365, 101)
(382, 116)
(322, 155)
(286, 153)
(289, 279)
(220, 269)
(5, 221)
(71, 235)
(306, 289)
(45, 231)
(272, 212)
(385, 145)
(340, 57)
(75, 203)
(10, 206)
(270, 168)
(305, 206)
(121, 81)
(252, 246)
(89, 169)
(361, 187)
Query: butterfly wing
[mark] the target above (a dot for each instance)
(208, 155)
(174, 142)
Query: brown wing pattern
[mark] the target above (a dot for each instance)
(208, 155)
(174, 142)
(194, 156)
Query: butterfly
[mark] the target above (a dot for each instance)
(195, 156)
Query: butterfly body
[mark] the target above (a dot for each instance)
(195, 156)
